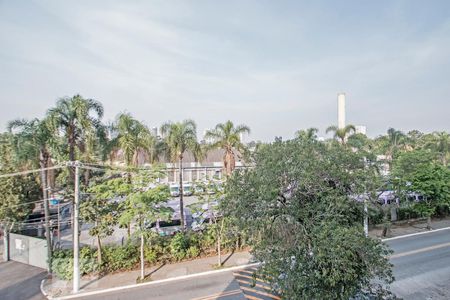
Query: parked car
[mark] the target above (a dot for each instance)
(187, 189)
(174, 190)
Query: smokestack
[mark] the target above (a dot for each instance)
(341, 110)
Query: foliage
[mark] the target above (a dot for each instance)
(62, 262)
(16, 192)
(121, 257)
(341, 133)
(227, 137)
(297, 203)
(133, 138)
(179, 245)
(78, 119)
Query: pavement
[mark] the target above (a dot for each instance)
(422, 266)
(56, 287)
(20, 281)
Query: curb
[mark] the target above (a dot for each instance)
(414, 234)
(43, 292)
(130, 286)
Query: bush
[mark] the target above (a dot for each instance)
(62, 262)
(193, 252)
(406, 213)
(121, 257)
(179, 245)
(151, 255)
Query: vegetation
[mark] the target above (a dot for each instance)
(305, 225)
(228, 138)
(296, 206)
(341, 133)
(179, 138)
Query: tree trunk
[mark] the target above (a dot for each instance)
(219, 252)
(5, 243)
(183, 225)
(99, 251)
(142, 256)
(429, 222)
(87, 177)
(43, 165)
(129, 230)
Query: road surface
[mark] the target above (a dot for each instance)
(20, 282)
(422, 266)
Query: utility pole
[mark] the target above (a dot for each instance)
(48, 237)
(76, 238)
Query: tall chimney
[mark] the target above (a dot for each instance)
(341, 110)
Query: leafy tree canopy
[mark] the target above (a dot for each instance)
(298, 203)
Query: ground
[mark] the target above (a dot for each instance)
(20, 281)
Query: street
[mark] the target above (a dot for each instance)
(421, 268)
(20, 282)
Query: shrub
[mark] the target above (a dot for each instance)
(62, 262)
(193, 252)
(121, 257)
(151, 255)
(179, 245)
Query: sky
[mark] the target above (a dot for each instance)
(275, 66)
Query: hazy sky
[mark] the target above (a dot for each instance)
(276, 66)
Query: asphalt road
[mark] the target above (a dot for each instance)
(20, 282)
(422, 266)
(219, 286)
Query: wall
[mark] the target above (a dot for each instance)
(28, 250)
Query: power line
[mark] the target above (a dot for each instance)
(30, 171)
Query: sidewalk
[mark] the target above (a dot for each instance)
(408, 228)
(56, 287)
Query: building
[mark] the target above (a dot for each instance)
(341, 110)
(361, 129)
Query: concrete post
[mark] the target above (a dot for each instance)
(76, 238)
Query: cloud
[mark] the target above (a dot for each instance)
(276, 67)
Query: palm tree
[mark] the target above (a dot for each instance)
(228, 137)
(32, 142)
(75, 118)
(441, 145)
(132, 138)
(341, 133)
(309, 134)
(178, 138)
(395, 138)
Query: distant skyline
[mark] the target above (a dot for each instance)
(276, 66)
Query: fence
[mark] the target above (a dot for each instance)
(28, 250)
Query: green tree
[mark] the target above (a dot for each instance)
(33, 140)
(433, 182)
(227, 137)
(101, 210)
(180, 137)
(132, 138)
(308, 134)
(298, 205)
(208, 206)
(341, 133)
(146, 206)
(440, 144)
(17, 193)
(75, 118)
